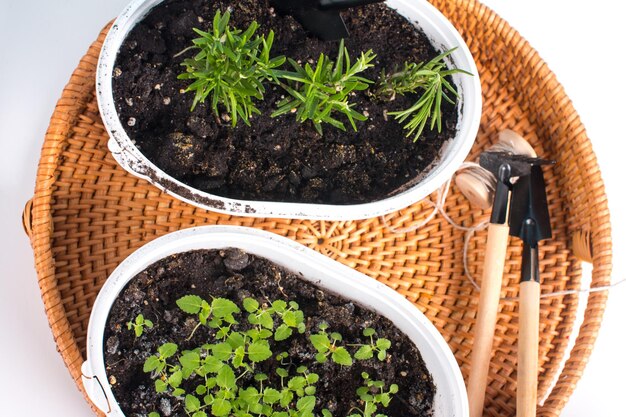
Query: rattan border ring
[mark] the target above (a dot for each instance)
(87, 215)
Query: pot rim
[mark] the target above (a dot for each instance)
(442, 35)
(450, 398)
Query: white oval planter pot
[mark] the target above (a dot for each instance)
(450, 399)
(441, 33)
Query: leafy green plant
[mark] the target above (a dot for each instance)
(318, 93)
(139, 324)
(327, 345)
(289, 313)
(373, 395)
(230, 67)
(428, 80)
(213, 315)
(378, 346)
(219, 366)
(157, 364)
(209, 380)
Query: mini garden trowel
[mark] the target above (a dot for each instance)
(320, 17)
(530, 221)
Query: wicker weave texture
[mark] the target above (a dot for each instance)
(88, 214)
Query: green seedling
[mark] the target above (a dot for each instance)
(378, 346)
(219, 314)
(263, 318)
(373, 395)
(139, 324)
(156, 364)
(327, 346)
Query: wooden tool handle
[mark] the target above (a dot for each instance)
(490, 287)
(528, 349)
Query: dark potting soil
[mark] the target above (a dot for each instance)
(277, 159)
(235, 275)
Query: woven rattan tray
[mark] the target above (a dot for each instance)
(88, 214)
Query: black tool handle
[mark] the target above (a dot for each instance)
(344, 4)
(530, 262)
(500, 211)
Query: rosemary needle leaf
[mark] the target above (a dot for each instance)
(429, 79)
(230, 66)
(318, 93)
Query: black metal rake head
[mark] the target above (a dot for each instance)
(516, 165)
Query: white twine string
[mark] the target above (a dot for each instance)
(439, 208)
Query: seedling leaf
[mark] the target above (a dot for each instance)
(190, 304)
(192, 403)
(259, 351)
(282, 332)
(342, 357)
(167, 350)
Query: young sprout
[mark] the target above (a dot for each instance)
(428, 80)
(373, 395)
(156, 364)
(319, 93)
(220, 312)
(263, 318)
(326, 345)
(138, 325)
(230, 67)
(378, 346)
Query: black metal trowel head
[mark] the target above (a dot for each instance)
(529, 218)
(320, 17)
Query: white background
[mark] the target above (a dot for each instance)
(41, 42)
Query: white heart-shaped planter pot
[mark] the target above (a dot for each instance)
(442, 35)
(450, 398)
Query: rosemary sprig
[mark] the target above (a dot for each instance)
(430, 78)
(231, 67)
(317, 93)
